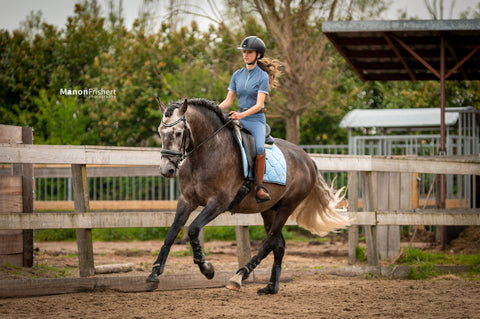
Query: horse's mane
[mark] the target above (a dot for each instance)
(207, 104)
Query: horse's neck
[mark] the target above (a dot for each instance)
(202, 129)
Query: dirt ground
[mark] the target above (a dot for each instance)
(314, 296)
(304, 296)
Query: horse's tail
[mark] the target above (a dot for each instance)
(317, 213)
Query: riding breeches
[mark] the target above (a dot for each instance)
(256, 125)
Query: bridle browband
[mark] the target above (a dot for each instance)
(183, 154)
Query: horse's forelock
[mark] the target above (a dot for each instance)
(171, 107)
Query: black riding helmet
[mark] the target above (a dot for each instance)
(253, 43)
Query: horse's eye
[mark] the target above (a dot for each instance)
(178, 134)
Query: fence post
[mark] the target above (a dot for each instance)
(27, 194)
(370, 231)
(243, 245)
(352, 207)
(84, 236)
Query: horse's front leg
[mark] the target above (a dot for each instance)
(209, 213)
(184, 209)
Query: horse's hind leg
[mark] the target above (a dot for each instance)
(275, 242)
(278, 253)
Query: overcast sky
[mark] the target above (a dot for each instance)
(12, 12)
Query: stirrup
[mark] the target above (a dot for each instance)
(259, 200)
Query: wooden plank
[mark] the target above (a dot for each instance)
(103, 155)
(27, 200)
(244, 252)
(12, 259)
(10, 134)
(394, 203)
(11, 242)
(68, 154)
(109, 205)
(370, 231)
(352, 207)
(149, 205)
(440, 219)
(64, 171)
(54, 286)
(84, 235)
(381, 195)
(11, 194)
(465, 165)
(69, 220)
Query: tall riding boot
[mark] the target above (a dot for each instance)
(262, 194)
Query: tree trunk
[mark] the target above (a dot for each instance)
(293, 128)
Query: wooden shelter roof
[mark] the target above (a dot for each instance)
(408, 49)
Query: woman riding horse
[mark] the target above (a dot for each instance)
(252, 85)
(199, 147)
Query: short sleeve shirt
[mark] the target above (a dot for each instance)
(247, 84)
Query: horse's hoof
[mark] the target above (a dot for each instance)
(233, 286)
(150, 286)
(268, 290)
(151, 283)
(207, 270)
(235, 283)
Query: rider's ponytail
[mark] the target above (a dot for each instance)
(272, 67)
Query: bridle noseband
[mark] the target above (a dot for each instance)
(182, 154)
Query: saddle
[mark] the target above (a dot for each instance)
(248, 142)
(245, 139)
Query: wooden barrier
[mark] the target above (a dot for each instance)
(16, 195)
(82, 218)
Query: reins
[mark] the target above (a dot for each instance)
(183, 154)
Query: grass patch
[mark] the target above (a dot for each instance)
(360, 253)
(423, 263)
(181, 253)
(225, 233)
(37, 271)
(416, 256)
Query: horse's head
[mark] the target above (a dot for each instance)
(173, 131)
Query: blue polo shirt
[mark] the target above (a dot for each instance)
(247, 84)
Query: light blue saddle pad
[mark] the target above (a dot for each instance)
(275, 165)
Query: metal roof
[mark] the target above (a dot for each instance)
(408, 49)
(420, 118)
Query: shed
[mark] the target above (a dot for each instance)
(411, 50)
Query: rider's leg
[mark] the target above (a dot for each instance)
(262, 193)
(256, 126)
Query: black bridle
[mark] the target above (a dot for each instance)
(183, 154)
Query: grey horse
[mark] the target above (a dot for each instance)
(198, 146)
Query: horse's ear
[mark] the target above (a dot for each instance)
(183, 108)
(161, 105)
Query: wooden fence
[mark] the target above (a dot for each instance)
(16, 196)
(374, 170)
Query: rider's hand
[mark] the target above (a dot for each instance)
(236, 115)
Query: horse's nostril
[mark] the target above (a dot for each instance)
(171, 171)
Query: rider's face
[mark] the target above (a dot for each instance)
(249, 56)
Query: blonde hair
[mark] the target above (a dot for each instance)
(272, 67)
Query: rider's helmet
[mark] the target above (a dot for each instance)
(253, 43)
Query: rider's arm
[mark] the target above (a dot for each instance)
(228, 100)
(254, 109)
